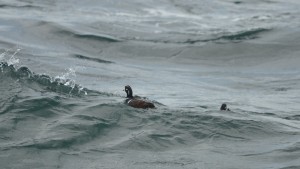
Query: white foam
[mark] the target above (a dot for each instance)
(173, 14)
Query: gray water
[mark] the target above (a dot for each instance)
(64, 65)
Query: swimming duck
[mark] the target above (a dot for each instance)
(134, 102)
(224, 107)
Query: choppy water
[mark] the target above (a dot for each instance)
(64, 65)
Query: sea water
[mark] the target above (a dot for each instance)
(64, 65)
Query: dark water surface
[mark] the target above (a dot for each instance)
(64, 64)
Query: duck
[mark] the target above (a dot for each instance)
(135, 102)
(224, 107)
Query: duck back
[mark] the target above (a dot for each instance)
(140, 104)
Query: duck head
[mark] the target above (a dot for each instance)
(128, 91)
(223, 107)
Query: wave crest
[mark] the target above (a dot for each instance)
(57, 84)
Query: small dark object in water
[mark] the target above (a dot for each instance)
(134, 102)
(224, 107)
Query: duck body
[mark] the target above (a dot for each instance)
(135, 102)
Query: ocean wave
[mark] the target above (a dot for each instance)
(157, 131)
(245, 35)
(73, 121)
(291, 167)
(76, 121)
(69, 134)
(91, 59)
(59, 85)
(293, 117)
(223, 37)
(20, 6)
(233, 37)
(95, 37)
